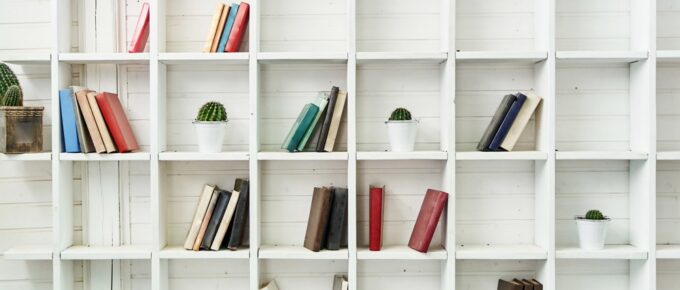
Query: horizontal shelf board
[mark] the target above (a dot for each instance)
(668, 251)
(177, 252)
(668, 55)
(668, 155)
(500, 252)
(501, 56)
(600, 155)
(401, 57)
(415, 155)
(514, 155)
(436, 252)
(43, 156)
(132, 156)
(619, 252)
(196, 156)
(601, 56)
(203, 58)
(302, 156)
(28, 58)
(128, 252)
(104, 58)
(302, 57)
(29, 253)
(300, 253)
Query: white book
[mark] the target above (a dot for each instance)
(523, 117)
(340, 282)
(202, 207)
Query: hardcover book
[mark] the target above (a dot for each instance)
(220, 29)
(509, 285)
(117, 122)
(320, 145)
(206, 219)
(340, 282)
(101, 124)
(329, 146)
(240, 218)
(270, 286)
(299, 128)
(84, 139)
(68, 122)
(428, 218)
(201, 208)
(375, 217)
(537, 285)
(530, 105)
(213, 27)
(90, 123)
(239, 28)
(318, 218)
(507, 122)
(141, 34)
(496, 121)
(337, 219)
(226, 220)
(228, 27)
(214, 222)
(525, 284)
(321, 102)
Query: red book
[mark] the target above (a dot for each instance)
(375, 217)
(117, 122)
(428, 218)
(239, 28)
(141, 32)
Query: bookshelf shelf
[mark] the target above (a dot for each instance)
(129, 252)
(600, 155)
(29, 253)
(196, 156)
(271, 156)
(668, 251)
(28, 58)
(610, 252)
(179, 253)
(299, 253)
(401, 57)
(501, 56)
(601, 56)
(203, 58)
(668, 155)
(415, 155)
(132, 156)
(104, 58)
(299, 57)
(668, 55)
(500, 252)
(44, 156)
(515, 155)
(436, 252)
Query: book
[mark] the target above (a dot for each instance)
(201, 208)
(375, 217)
(117, 122)
(238, 226)
(223, 197)
(213, 27)
(507, 122)
(220, 29)
(537, 285)
(141, 34)
(239, 28)
(319, 211)
(84, 139)
(90, 123)
(327, 120)
(321, 102)
(530, 105)
(496, 121)
(293, 129)
(206, 220)
(526, 285)
(509, 285)
(340, 282)
(270, 286)
(329, 146)
(428, 218)
(231, 17)
(301, 125)
(69, 132)
(226, 220)
(337, 219)
(101, 124)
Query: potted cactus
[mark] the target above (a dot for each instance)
(401, 130)
(20, 127)
(592, 230)
(210, 124)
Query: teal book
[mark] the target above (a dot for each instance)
(321, 102)
(289, 137)
(227, 27)
(300, 129)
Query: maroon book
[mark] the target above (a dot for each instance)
(375, 217)
(428, 218)
(117, 122)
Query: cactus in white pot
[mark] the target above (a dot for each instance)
(402, 130)
(592, 230)
(211, 124)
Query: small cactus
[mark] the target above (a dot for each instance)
(212, 112)
(400, 114)
(13, 97)
(7, 79)
(594, 214)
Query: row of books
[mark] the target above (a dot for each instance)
(317, 125)
(327, 222)
(339, 283)
(227, 28)
(430, 212)
(519, 284)
(220, 218)
(509, 121)
(94, 122)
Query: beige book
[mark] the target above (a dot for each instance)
(90, 123)
(206, 219)
(270, 286)
(201, 208)
(340, 282)
(220, 28)
(213, 27)
(521, 121)
(226, 221)
(335, 121)
(101, 124)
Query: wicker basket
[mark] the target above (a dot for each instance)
(21, 129)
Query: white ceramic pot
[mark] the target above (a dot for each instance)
(210, 136)
(591, 233)
(402, 135)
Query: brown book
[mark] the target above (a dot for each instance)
(537, 285)
(202, 206)
(213, 27)
(101, 124)
(509, 285)
(220, 28)
(318, 218)
(226, 218)
(206, 220)
(335, 121)
(90, 123)
(430, 211)
(526, 284)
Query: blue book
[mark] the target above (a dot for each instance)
(308, 114)
(507, 123)
(69, 132)
(227, 27)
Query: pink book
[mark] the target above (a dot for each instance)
(141, 32)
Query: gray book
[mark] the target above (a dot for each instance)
(84, 139)
(495, 123)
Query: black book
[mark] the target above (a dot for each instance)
(321, 143)
(495, 123)
(215, 219)
(238, 224)
(337, 220)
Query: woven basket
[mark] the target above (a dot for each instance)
(21, 129)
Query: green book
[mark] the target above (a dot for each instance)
(289, 137)
(300, 126)
(321, 102)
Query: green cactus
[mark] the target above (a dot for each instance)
(13, 97)
(400, 114)
(594, 214)
(7, 79)
(212, 112)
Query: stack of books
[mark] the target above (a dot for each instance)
(316, 128)
(327, 223)
(509, 121)
(517, 284)
(227, 28)
(220, 218)
(94, 122)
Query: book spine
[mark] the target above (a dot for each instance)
(68, 122)
(215, 219)
(84, 139)
(335, 122)
(327, 120)
(90, 123)
(239, 29)
(141, 34)
(426, 224)
(530, 105)
(201, 208)
(117, 122)
(240, 218)
(507, 123)
(220, 29)
(101, 124)
(495, 122)
(228, 27)
(212, 33)
(321, 102)
(302, 129)
(293, 129)
(225, 221)
(206, 219)
(375, 209)
(318, 218)
(337, 219)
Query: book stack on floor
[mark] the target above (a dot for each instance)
(94, 122)
(316, 128)
(517, 284)
(227, 28)
(509, 121)
(327, 223)
(220, 218)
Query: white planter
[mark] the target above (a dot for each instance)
(210, 136)
(402, 135)
(591, 233)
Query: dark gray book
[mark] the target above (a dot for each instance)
(337, 219)
(239, 221)
(495, 123)
(507, 123)
(509, 285)
(326, 125)
(215, 219)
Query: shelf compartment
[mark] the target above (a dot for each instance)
(610, 252)
(44, 156)
(401, 57)
(326, 156)
(414, 155)
(131, 156)
(484, 274)
(203, 58)
(500, 252)
(600, 155)
(178, 252)
(299, 253)
(28, 58)
(601, 56)
(514, 155)
(436, 252)
(302, 57)
(395, 274)
(104, 58)
(197, 156)
(501, 56)
(29, 253)
(128, 252)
